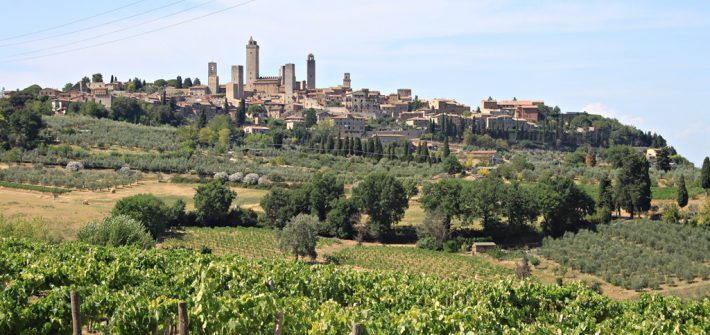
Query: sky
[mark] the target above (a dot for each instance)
(646, 63)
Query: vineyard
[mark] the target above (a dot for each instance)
(415, 260)
(85, 179)
(102, 133)
(636, 255)
(129, 291)
(247, 242)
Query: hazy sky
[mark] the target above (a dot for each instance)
(643, 62)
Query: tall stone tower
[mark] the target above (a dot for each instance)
(235, 88)
(212, 78)
(346, 80)
(289, 78)
(252, 62)
(311, 73)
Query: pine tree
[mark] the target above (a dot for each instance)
(682, 193)
(606, 199)
(705, 175)
(178, 82)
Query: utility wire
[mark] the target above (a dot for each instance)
(72, 22)
(118, 30)
(91, 27)
(130, 36)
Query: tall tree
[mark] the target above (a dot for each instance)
(212, 203)
(663, 159)
(606, 199)
(97, 78)
(705, 175)
(443, 198)
(242, 113)
(187, 83)
(178, 82)
(563, 205)
(196, 82)
(310, 118)
(446, 152)
(299, 236)
(383, 198)
(633, 185)
(682, 193)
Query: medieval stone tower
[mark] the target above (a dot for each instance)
(311, 72)
(252, 62)
(346, 80)
(289, 78)
(235, 88)
(212, 78)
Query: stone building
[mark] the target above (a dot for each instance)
(212, 78)
(448, 106)
(346, 80)
(363, 101)
(311, 72)
(235, 88)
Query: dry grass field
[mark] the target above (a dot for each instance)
(67, 213)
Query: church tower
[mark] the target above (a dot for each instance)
(252, 63)
(346, 80)
(311, 72)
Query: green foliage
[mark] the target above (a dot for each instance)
(299, 236)
(616, 155)
(84, 179)
(635, 255)
(116, 231)
(682, 198)
(212, 203)
(27, 228)
(451, 165)
(280, 205)
(310, 117)
(382, 197)
(36, 188)
(705, 175)
(139, 292)
(443, 198)
(323, 191)
(663, 159)
(672, 214)
(633, 185)
(341, 220)
(563, 205)
(152, 212)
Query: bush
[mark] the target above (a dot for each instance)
(221, 176)
(251, 179)
(116, 231)
(264, 181)
(21, 227)
(74, 166)
(236, 177)
(152, 212)
(430, 243)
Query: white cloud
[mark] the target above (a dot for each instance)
(603, 110)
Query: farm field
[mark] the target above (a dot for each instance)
(247, 242)
(636, 255)
(67, 213)
(131, 291)
(419, 261)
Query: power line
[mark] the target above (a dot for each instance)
(130, 36)
(118, 30)
(72, 22)
(91, 27)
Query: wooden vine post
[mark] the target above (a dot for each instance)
(182, 316)
(357, 329)
(279, 323)
(75, 312)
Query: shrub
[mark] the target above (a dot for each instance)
(152, 212)
(251, 179)
(430, 243)
(116, 231)
(264, 181)
(21, 227)
(221, 176)
(236, 177)
(74, 166)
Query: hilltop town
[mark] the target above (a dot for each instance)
(400, 115)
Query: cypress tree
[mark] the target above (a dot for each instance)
(407, 151)
(446, 150)
(358, 147)
(705, 175)
(682, 193)
(378, 148)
